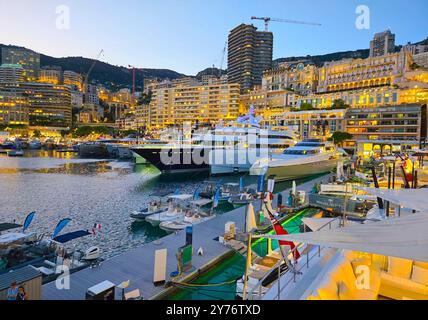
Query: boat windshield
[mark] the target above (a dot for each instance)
(309, 144)
(301, 152)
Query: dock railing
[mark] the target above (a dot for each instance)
(256, 293)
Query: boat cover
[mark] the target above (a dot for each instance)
(403, 237)
(7, 226)
(181, 196)
(71, 236)
(415, 199)
(8, 238)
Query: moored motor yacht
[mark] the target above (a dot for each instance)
(307, 158)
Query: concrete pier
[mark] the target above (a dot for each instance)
(137, 265)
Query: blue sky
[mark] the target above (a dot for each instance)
(189, 35)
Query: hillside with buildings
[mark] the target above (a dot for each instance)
(110, 76)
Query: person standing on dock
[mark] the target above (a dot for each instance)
(12, 292)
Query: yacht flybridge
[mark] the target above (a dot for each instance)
(307, 158)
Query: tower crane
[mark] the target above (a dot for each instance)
(222, 58)
(86, 77)
(268, 19)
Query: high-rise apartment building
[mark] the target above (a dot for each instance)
(11, 73)
(51, 74)
(382, 43)
(73, 79)
(28, 59)
(183, 104)
(13, 108)
(249, 54)
(49, 104)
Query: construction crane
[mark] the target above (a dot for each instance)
(86, 77)
(222, 58)
(268, 19)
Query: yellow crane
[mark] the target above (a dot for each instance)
(268, 19)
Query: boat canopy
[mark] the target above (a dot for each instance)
(181, 196)
(71, 236)
(402, 237)
(415, 199)
(7, 226)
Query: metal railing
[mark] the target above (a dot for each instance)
(257, 291)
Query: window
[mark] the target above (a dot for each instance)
(394, 97)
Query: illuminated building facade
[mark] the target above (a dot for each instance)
(313, 123)
(354, 74)
(11, 73)
(49, 105)
(299, 77)
(73, 79)
(386, 129)
(203, 104)
(266, 103)
(382, 44)
(13, 109)
(51, 75)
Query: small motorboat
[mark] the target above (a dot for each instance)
(6, 145)
(189, 220)
(210, 189)
(35, 145)
(142, 214)
(242, 199)
(92, 253)
(156, 206)
(228, 190)
(15, 153)
(169, 215)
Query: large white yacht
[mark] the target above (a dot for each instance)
(306, 158)
(239, 145)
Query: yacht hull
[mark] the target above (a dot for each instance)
(234, 161)
(176, 159)
(297, 171)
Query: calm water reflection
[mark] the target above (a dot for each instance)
(57, 185)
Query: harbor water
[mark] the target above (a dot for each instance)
(59, 185)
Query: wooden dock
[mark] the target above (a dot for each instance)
(137, 265)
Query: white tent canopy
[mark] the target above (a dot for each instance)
(415, 199)
(404, 237)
